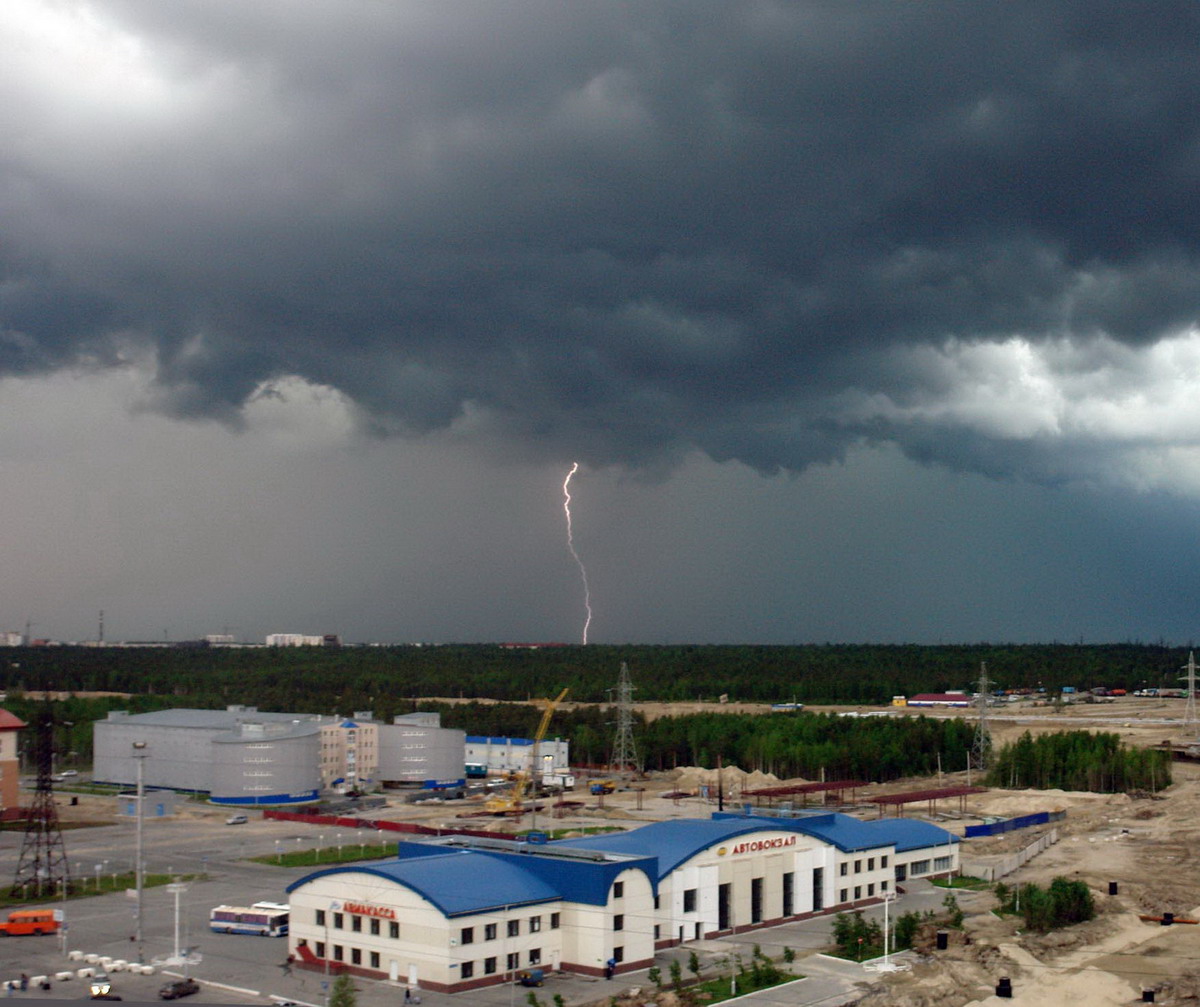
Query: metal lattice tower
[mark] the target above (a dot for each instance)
(1189, 713)
(43, 867)
(624, 753)
(981, 748)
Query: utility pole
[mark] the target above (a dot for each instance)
(139, 758)
(981, 750)
(1189, 713)
(42, 864)
(624, 756)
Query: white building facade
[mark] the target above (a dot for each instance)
(455, 914)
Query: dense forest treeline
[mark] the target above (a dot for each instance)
(1079, 760)
(388, 679)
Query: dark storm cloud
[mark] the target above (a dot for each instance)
(618, 231)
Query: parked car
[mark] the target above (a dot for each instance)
(178, 988)
(236, 820)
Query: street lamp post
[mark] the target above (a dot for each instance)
(139, 758)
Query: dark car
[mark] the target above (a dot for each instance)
(179, 988)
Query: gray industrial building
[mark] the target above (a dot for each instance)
(241, 756)
(416, 749)
(237, 755)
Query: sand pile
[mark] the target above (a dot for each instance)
(732, 779)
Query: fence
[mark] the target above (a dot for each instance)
(995, 868)
(1012, 824)
(379, 825)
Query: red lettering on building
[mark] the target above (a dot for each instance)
(764, 844)
(362, 909)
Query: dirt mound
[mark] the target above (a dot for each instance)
(731, 779)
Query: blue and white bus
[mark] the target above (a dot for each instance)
(263, 919)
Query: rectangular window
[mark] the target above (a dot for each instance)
(320, 949)
(618, 889)
(919, 867)
(489, 932)
(619, 954)
(514, 928)
(655, 901)
(941, 863)
(489, 966)
(467, 970)
(858, 867)
(689, 900)
(883, 886)
(870, 890)
(883, 861)
(554, 919)
(467, 935)
(320, 917)
(870, 863)
(339, 953)
(535, 956)
(514, 960)
(789, 893)
(356, 924)
(845, 867)
(756, 900)
(619, 922)
(393, 930)
(339, 921)
(857, 892)
(355, 956)
(374, 959)
(535, 924)
(374, 926)
(657, 930)
(842, 895)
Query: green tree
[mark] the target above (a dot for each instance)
(676, 975)
(694, 964)
(342, 993)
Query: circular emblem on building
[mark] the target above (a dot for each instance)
(721, 851)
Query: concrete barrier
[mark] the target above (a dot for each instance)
(62, 977)
(75, 956)
(995, 868)
(119, 965)
(86, 972)
(91, 959)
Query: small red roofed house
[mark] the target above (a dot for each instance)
(10, 766)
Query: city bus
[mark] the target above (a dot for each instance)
(263, 919)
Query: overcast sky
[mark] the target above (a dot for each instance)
(864, 322)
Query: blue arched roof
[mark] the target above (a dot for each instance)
(675, 842)
(458, 882)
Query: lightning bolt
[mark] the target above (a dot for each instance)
(587, 594)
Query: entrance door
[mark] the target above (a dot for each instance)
(723, 907)
(818, 889)
(393, 970)
(901, 872)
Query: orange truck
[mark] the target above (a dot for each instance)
(31, 921)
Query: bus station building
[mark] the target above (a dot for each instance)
(456, 913)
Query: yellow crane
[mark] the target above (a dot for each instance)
(512, 803)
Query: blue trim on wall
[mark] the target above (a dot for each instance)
(242, 802)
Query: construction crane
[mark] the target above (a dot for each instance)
(512, 803)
